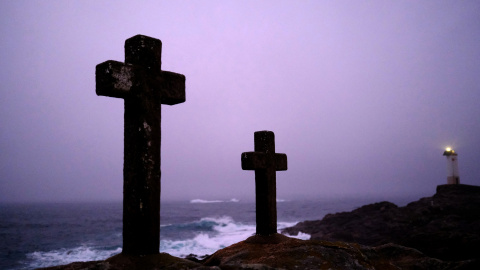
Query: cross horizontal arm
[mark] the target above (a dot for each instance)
(173, 88)
(258, 160)
(280, 162)
(113, 79)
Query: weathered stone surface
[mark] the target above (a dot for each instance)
(445, 226)
(265, 162)
(144, 87)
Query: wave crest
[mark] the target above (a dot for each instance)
(213, 233)
(212, 201)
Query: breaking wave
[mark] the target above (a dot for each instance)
(214, 234)
(201, 237)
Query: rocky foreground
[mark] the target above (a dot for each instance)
(439, 232)
(281, 252)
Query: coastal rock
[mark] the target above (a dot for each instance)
(281, 252)
(444, 226)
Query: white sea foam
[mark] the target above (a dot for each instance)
(65, 256)
(300, 235)
(204, 201)
(225, 232)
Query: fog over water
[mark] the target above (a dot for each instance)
(363, 96)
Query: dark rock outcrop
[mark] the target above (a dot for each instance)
(281, 252)
(445, 226)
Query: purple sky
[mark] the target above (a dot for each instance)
(363, 96)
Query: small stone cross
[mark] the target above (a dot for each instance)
(265, 162)
(144, 87)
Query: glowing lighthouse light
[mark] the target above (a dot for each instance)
(452, 166)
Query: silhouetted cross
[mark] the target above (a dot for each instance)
(144, 87)
(265, 162)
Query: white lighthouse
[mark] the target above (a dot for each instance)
(452, 166)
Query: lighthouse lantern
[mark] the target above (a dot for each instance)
(452, 166)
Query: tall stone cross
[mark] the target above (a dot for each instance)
(265, 162)
(144, 87)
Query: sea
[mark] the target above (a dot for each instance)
(34, 235)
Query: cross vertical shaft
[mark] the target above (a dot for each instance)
(265, 162)
(144, 87)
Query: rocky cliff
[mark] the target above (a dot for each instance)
(445, 226)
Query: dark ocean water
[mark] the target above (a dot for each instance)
(40, 235)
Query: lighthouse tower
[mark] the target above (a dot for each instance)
(452, 166)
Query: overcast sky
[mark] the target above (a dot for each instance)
(363, 96)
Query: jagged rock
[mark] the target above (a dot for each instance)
(445, 226)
